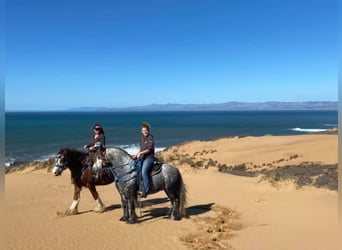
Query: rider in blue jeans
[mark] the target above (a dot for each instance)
(146, 154)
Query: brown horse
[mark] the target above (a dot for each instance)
(82, 175)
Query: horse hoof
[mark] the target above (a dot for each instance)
(131, 221)
(123, 219)
(99, 210)
(71, 212)
(172, 217)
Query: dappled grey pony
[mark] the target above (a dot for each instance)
(126, 176)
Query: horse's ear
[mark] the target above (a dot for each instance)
(60, 150)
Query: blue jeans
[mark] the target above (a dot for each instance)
(147, 166)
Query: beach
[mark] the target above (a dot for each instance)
(247, 192)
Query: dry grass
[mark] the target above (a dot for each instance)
(303, 174)
(32, 166)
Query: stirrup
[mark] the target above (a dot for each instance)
(142, 194)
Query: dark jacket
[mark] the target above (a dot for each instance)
(99, 142)
(147, 143)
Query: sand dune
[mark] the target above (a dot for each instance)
(225, 210)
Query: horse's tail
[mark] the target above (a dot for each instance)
(182, 198)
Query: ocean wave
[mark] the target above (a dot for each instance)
(308, 130)
(331, 125)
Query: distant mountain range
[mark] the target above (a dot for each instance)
(227, 106)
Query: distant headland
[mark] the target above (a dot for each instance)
(227, 106)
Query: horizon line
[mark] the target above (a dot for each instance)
(140, 108)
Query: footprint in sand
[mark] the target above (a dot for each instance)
(214, 231)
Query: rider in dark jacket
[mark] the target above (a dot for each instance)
(98, 140)
(97, 145)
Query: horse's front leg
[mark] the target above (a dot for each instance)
(124, 203)
(73, 209)
(132, 217)
(120, 189)
(131, 210)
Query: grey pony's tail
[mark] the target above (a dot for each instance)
(182, 199)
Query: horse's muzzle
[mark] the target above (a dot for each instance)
(57, 171)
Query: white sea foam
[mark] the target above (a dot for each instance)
(134, 148)
(308, 130)
(131, 149)
(9, 161)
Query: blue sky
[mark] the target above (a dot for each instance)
(63, 54)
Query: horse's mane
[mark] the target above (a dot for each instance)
(77, 155)
(73, 153)
(120, 149)
(76, 151)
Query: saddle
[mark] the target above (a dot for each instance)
(98, 170)
(103, 168)
(156, 167)
(103, 174)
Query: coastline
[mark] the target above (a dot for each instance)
(254, 212)
(41, 163)
(169, 128)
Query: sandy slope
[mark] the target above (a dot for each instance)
(224, 210)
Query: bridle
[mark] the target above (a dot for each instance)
(60, 163)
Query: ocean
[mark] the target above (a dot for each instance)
(35, 136)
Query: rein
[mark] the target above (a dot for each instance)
(117, 178)
(120, 178)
